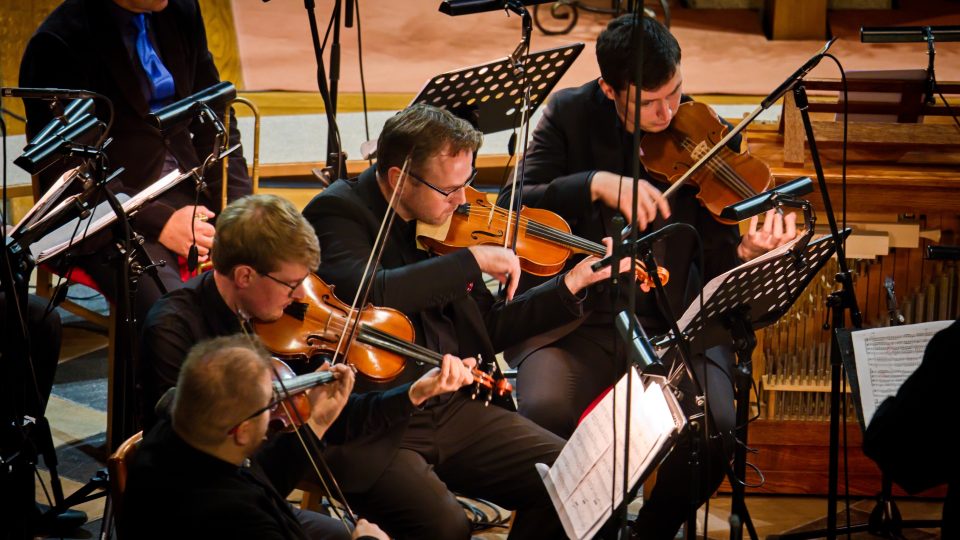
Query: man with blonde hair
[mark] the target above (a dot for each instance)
(211, 460)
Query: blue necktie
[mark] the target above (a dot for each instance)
(161, 82)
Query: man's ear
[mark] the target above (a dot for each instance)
(607, 89)
(243, 275)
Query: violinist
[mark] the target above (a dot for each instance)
(579, 164)
(455, 444)
(207, 472)
(263, 249)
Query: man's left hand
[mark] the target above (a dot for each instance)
(327, 400)
(777, 230)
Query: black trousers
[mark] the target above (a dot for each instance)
(557, 383)
(24, 390)
(464, 447)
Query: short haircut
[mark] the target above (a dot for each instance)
(219, 384)
(422, 131)
(260, 231)
(617, 58)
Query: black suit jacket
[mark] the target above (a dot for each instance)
(580, 134)
(79, 46)
(347, 217)
(177, 491)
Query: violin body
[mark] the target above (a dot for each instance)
(315, 326)
(544, 242)
(473, 224)
(727, 179)
(377, 345)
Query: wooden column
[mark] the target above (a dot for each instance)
(795, 19)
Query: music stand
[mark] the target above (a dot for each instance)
(885, 519)
(735, 305)
(489, 96)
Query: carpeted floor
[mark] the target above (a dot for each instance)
(406, 43)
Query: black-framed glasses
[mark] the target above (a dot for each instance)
(447, 192)
(272, 405)
(293, 287)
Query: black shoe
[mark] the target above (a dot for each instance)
(65, 522)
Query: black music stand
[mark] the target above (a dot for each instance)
(885, 519)
(489, 96)
(736, 304)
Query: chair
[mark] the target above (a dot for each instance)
(117, 465)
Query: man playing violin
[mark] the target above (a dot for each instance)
(263, 250)
(455, 444)
(207, 473)
(579, 164)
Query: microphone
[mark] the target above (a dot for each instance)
(46, 93)
(797, 75)
(166, 117)
(943, 253)
(908, 34)
(46, 152)
(455, 8)
(762, 202)
(71, 112)
(646, 239)
(639, 350)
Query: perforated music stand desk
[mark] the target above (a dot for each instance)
(763, 288)
(490, 96)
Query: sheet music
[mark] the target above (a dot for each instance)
(885, 357)
(47, 198)
(101, 216)
(582, 479)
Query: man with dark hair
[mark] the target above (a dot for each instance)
(404, 478)
(142, 55)
(579, 164)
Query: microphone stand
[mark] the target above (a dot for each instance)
(336, 159)
(838, 302)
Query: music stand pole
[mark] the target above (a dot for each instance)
(744, 342)
(838, 302)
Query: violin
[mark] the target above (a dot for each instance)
(544, 241)
(292, 388)
(377, 344)
(727, 178)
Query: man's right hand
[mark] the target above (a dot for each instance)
(177, 235)
(501, 263)
(366, 529)
(617, 192)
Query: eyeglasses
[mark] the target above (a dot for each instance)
(446, 192)
(274, 402)
(293, 287)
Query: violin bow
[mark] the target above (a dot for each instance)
(309, 448)
(370, 269)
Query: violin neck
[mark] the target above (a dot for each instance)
(563, 238)
(388, 342)
(301, 383)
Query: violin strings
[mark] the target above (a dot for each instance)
(724, 172)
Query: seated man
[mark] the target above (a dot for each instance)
(403, 479)
(208, 473)
(263, 251)
(909, 435)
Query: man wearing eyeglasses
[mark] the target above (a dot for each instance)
(263, 250)
(209, 461)
(455, 444)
